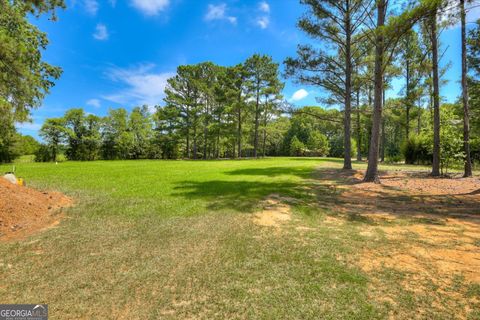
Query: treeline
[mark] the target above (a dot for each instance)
(141, 134)
(210, 112)
(358, 49)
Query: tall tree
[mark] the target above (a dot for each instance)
(25, 78)
(387, 36)
(338, 25)
(262, 73)
(53, 133)
(182, 92)
(236, 94)
(466, 109)
(372, 169)
(114, 127)
(140, 125)
(412, 60)
(433, 32)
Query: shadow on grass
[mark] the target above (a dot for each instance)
(241, 196)
(302, 172)
(335, 160)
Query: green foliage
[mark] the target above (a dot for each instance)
(317, 144)
(451, 147)
(337, 149)
(24, 78)
(44, 154)
(297, 148)
(418, 149)
(82, 135)
(473, 47)
(475, 149)
(53, 132)
(25, 145)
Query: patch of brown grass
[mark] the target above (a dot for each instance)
(274, 213)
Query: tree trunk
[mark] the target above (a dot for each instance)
(407, 95)
(384, 140)
(347, 159)
(257, 120)
(195, 142)
(265, 121)
(384, 134)
(436, 97)
(359, 133)
(217, 152)
(466, 111)
(372, 169)
(205, 133)
(264, 136)
(188, 134)
(55, 153)
(239, 133)
(419, 118)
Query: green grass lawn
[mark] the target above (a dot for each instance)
(174, 239)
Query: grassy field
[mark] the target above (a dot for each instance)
(175, 239)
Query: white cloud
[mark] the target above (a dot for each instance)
(142, 85)
(299, 95)
(94, 103)
(91, 6)
(264, 6)
(150, 7)
(263, 22)
(101, 32)
(218, 12)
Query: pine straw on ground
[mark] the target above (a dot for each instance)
(25, 211)
(425, 230)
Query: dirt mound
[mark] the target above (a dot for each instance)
(24, 211)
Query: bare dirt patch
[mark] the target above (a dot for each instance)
(408, 194)
(25, 211)
(427, 229)
(275, 212)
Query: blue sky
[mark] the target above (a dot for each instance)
(119, 53)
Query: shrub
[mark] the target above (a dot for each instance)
(475, 149)
(418, 150)
(43, 154)
(317, 144)
(297, 148)
(337, 149)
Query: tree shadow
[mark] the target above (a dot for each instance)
(335, 160)
(359, 202)
(240, 196)
(302, 172)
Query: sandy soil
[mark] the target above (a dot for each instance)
(275, 212)
(432, 226)
(25, 211)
